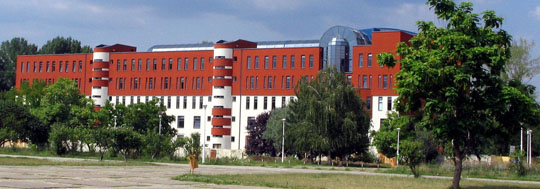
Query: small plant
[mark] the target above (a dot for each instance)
(516, 165)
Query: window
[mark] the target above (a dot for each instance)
(124, 100)
(303, 61)
(170, 63)
(185, 103)
(368, 103)
(198, 83)
(139, 64)
(389, 103)
(163, 64)
(364, 81)
(132, 65)
(255, 102)
(147, 64)
(75, 65)
(265, 62)
(194, 63)
(390, 82)
(48, 66)
(265, 105)
(274, 62)
(202, 63)
(380, 103)
(385, 81)
(349, 79)
(67, 67)
(251, 82)
(182, 83)
(249, 62)
(273, 102)
(166, 83)
(311, 61)
(60, 66)
(180, 122)
(379, 82)
(269, 82)
(35, 66)
(284, 62)
(361, 60)
(179, 64)
(370, 78)
(283, 101)
(154, 66)
(151, 83)
(121, 83)
(138, 99)
(186, 64)
(80, 66)
(200, 102)
(193, 102)
(135, 83)
(197, 122)
(369, 60)
(124, 65)
(288, 83)
(247, 103)
(292, 62)
(53, 66)
(177, 102)
(40, 66)
(256, 64)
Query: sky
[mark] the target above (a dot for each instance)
(146, 23)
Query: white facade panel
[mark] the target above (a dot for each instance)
(226, 52)
(104, 56)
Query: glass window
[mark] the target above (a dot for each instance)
(193, 102)
(75, 65)
(166, 83)
(256, 66)
(180, 122)
(265, 62)
(369, 59)
(249, 62)
(135, 83)
(247, 103)
(288, 83)
(48, 66)
(361, 60)
(274, 62)
(168, 102)
(255, 102)
(194, 63)
(251, 82)
(269, 82)
(170, 63)
(80, 66)
(40, 66)
(265, 103)
(179, 64)
(380, 103)
(132, 64)
(389, 103)
(177, 102)
(35, 66)
(151, 83)
(154, 65)
(202, 63)
(284, 62)
(385, 81)
(292, 62)
(53, 66)
(147, 64)
(368, 103)
(303, 61)
(365, 82)
(124, 67)
(185, 102)
(139, 64)
(198, 83)
(186, 63)
(200, 102)
(273, 102)
(182, 83)
(310, 61)
(349, 79)
(197, 122)
(60, 66)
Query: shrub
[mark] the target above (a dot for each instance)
(516, 165)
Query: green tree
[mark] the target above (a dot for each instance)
(126, 141)
(411, 152)
(9, 50)
(18, 124)
(328, 117)
(257, 145)
(451, 77)
(146, 117)
(521, 66)
(61, 45)
(192, 145)
(385, 139)
(31, 95)
(274, 130)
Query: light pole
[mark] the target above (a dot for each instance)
(204, 134)
(159, 123)
(397, 156)
(521, 140)
(283, 142)
(529, 147)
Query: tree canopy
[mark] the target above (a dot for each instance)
(9, 50)
(61, 45)
(521, 66)
(451, 77)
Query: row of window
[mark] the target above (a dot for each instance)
(181, 102)
(51, 66)
(269, 82)
(166, 83)
(265, 102)
(383, 82)
(283, 62)
(50, 81)
(166, 64)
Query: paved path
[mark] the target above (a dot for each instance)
(146, 176)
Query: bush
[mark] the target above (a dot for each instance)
(127, 142)
(58, 138)
(516, 165)
(412, 153)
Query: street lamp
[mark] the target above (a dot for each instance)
(521, 140)
(529, 147)
(159, 123)
(283, 142)
(204, 134)
(397, 156)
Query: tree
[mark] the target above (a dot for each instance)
(412, 154)
(18, 124)
(145, 118)
(274, 130)
(520, 66)
(61, 45)
(31, 95)
(328, 117)
(9, 50)
(257, 145)
(451, 78)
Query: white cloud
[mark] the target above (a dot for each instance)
(276, 5)
(405, 15)
(536, 13)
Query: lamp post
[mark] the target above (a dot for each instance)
(159, 123)
(204, 134)
(283, 142)
(521, 140)
(529, 147)
(397, 156)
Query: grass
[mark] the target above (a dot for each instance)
(475, 171)
(19, 161)
(338, 181)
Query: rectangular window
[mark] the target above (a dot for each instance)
(251, 82)
(389, 103)
(202, 63)
(118, 66)
(154, 66)
(121, 83)
(60, 66)
(283, 101)
(284, 62)
(75, 66)
(311, 61)
(80, 66)
(66, 67)
(369, 60)
(197, 122)
(349, 79)
(247, 103)
(170, 64)
(135, 83)
(132, 65)
(269, 82)
(48, 66)
(22, 66)
(303, 61)
(249, 62)
(35, 66)
(147, 64)
(180, 122)
(53, 66)
(124, 67)
(179, 64)
(200, 102)
(194, 63)
(151, 83)
(166, 83)
(139, 64)
(273, 102)
(255, 102)
(193, 102)
(186, 64)
(182, 83)
(364, 81)
(368, 103)
(361, 60)
(163, 64)
(274, 62)
(184, 105)
(265, 105)
(256, 64)
(265, 62)
(168, 102)
(198, 83)
(370, 78)
(385, 81)
(288, 83)
(40, 66)
(292, 62)
(380, 104)
(177, 102)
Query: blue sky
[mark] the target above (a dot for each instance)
(146, 23)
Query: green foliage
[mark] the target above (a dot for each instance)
(521, 66)
(516, 164)
(411, 152)
(31, 95)
(274, 128)
(157, 145)
(328, 117)
(103, 140)
(193, 145)
(18, 124)
(59, 137)
(61, 45)
(9, 50)
(127, 142)
(257, 144)
(385, 140)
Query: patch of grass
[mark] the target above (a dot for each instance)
(11, 161)
(298, 180)
(470, 171)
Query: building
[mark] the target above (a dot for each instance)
(230, 82)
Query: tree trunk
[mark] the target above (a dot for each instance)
(458, 162)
